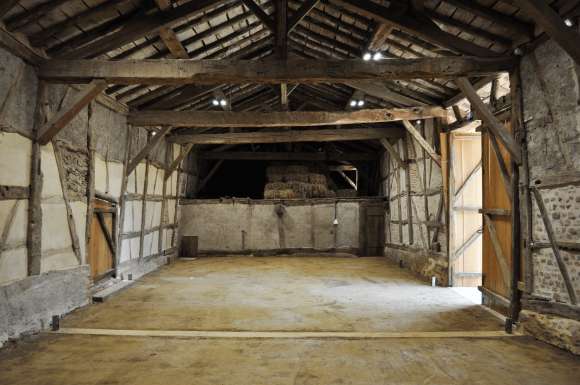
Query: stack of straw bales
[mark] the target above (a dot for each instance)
(295, 181)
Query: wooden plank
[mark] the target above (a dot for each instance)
(490, 120)
(283, 335)
(380, 35)
(260, 14)
(499, 254)
(554, 243)
(549, 307)
(149, 147)
(91, 144)
(422, 142)
(471, 174)
(30, 15)
(173, 44)
(281, 18)
(496, 212)
(267, 71)
(301, 13)
(551, 22)
(560, 179)
(65, 115)
(217, 119)
(289, 156)
(108, 236)
(505, 176)
(288, 136)
(8, 193)
(138, 27)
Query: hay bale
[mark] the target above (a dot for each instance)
(297, 170)
(276, 186)
(319, 190)
(277, 178)
(297, 178)
(317, 178)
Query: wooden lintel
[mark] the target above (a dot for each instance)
(288, 136)
(217, 119)
(490, 120)
(422, 142)
(65, 115)
(14, 192)
(149, 147)
(289, 156)
(267, 71)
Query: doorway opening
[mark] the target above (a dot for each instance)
(101, 253)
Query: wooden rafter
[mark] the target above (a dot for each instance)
(393, 152)
(65, 115)
(288, 136)
(551, 22)
(490, 120)
(279, 119)
(422, 142)
(177, 161)
(267, 71)
(301, 13)
(380, 90)
(260, 14)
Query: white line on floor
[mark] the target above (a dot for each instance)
(282, 335)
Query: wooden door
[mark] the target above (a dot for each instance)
(497, 229)
(466, 239)
(101, 255)
(373, 228)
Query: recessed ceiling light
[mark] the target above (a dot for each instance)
(367, 56)
(377, 56)
(353, 103)
(215, 102)
(223, 102)
(361, 103)
(569, 22)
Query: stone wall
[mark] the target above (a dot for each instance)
(551, 98)
(97, 136)
(414, 194)
(255, 227)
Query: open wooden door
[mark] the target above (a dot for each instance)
(101, 253)
(466, 240)
(497, 229)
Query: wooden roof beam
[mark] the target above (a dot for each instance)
(301, 13)
(280, 119)
(331, 135)
(261, 15)
(149, 147)
(267, 71)
(289, 156)
(551, 22)
(418, 24)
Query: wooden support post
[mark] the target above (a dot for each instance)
(498, 252)
(123, 197)
(34, 228)
(90, 179)
(408, 188)
(490, 120)
(555, 248)
(162, 222)
(65, 115)
(69, 214)
(144, 199)
(149, 148)
(422, 142)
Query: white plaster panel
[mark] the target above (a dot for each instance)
(139, 176)
(297, 222)
(132, 216)
(51, 180)
(323, 227)
(170, 205)
(100, 175)
(115, 179)
(13, 264)
(58, 260)
(15, 153)
(55, 233)
(348, 225)
(17, 232)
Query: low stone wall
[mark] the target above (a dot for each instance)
(27, 305)
(271, 226)
(424, 263)
(559, 331)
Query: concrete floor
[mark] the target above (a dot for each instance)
(286, 294)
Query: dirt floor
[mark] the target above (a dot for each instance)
(284, 294)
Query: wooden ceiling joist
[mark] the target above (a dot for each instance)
(260, 14)
(332, 135)
(280, 119)
(266, 71)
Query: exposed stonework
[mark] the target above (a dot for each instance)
(76, 166)
(562, 332)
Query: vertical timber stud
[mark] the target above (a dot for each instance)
(517, 127)
(144, 199)
(90, 180)
(162, 222)
(122, 198)
(408, 187)
(34, 228)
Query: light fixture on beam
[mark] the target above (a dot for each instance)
(375, 56)
(219, 102)
(367, 56)
(357, 103)
(569, 22)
